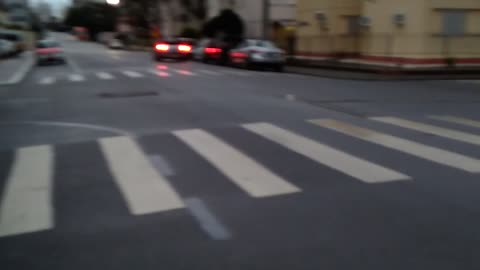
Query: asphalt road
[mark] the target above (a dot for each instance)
(117, 162)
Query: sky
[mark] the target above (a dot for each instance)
(57, 5)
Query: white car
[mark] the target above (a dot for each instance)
(258, 53)
(115, 44)
(7, 48)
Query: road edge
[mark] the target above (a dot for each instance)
(22, 72)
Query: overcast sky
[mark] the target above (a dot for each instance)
(57, 5)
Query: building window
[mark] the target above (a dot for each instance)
(353, 25)
(453, 23)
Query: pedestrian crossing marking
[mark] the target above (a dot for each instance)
(160, 73)
(47, 80)
(249, 175)
(132, 74)
(26, 202)
(438, 131)
(457, 120)
(350, 165)
(433, 154)
(104, 76)
(185, 72)
(76, 78)
(145, 190)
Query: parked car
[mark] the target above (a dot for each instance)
(116, 44)
(257, 53)
(49, 51)
(16, 39)
(7, 48)
(208, 50)
(172, 49)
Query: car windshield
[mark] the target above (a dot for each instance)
(261, 43)
(47, 44)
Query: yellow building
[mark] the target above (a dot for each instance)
(390, 31)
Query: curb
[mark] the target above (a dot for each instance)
(22, 71)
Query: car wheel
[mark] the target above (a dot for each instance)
(279, 68)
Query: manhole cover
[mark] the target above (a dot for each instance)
(127, 94)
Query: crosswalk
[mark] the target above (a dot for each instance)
(139, 73)
(27, 206)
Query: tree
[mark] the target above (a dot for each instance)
(197, 8)
(228, 26)
(93, 16)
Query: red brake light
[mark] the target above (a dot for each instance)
(162, 47)
(213, 50)
(184, 48)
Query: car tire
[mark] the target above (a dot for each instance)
(279, 68)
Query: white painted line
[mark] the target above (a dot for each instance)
(22, 71)
(26, 205)
(132, 74)
(350, 165)
(76, 78)
(433, 154)
(457, 120)
(209, 72)
(104, 76)
(47, 80)
(249, 175)
(207, 220)
(160, 73)
(145, 190)
(438, 131)
(184, 72)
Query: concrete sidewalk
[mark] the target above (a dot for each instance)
(13, 70)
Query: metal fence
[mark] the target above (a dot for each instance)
(389, 45)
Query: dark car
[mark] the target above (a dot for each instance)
(49, 51)
(173, 49)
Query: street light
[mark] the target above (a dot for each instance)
(113, 2)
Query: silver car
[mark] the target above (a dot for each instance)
(258, 53)
(7, 48)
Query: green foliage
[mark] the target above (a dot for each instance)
(228, 25)
(189, 32)
(95, 17)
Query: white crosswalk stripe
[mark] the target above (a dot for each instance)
(160, 73)
(252, 177)
(76, 78)
(433, 154)
(26, 204)
(132, 74)
(185, 72)
(457, 120)
(47, 80)
(145, 190)
(105, 76)
(350, 165)
(438, 131)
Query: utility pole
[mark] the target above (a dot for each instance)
(265, 18)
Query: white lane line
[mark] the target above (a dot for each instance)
(160, 73)
(433, 154)
(438, 131)
(249, 175)
(207, 220)
(132, 74)
(457, 120)
(145, 190)
(76, 78)
(209, 72)
(26, 205)
(47, 80)
(104, 76)
(184, 72)
(350, 165)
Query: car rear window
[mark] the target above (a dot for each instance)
(47, 44)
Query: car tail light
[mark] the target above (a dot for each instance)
(162, 47)
(184, 48)
(213, 50)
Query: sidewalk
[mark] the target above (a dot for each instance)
(357, 71)
(13, 70)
